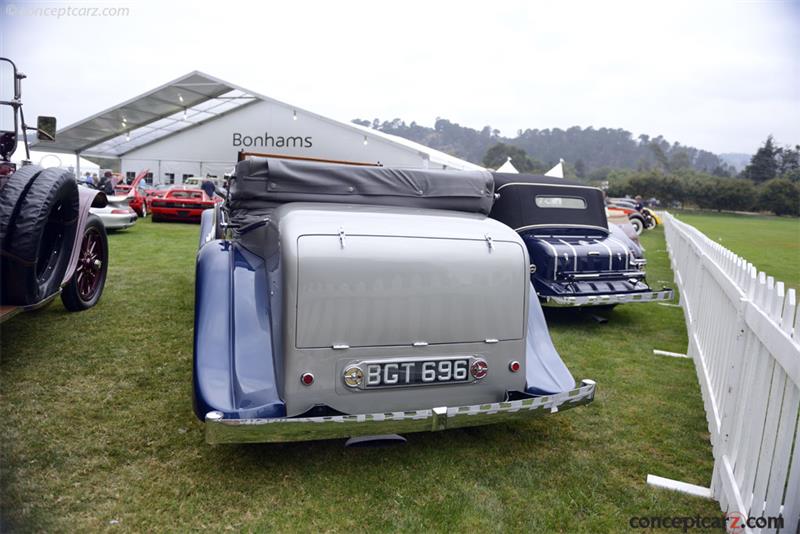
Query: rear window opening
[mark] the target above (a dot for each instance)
(548, 201)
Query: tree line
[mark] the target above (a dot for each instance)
(590, 150)
(770, 182)
(613, 158)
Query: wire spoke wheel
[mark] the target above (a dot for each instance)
(90, 263)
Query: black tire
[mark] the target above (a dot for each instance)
(77, 295)
(39, 234)
(16, 186)
(155, 218)
(638, 223)
(649, 221)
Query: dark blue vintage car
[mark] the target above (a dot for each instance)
(577, 257)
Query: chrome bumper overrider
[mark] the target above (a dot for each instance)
(604, 300)
(219, 430)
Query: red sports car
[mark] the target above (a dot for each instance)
(153, 193)
(181, 204)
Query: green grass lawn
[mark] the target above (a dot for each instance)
(98, 431)
(772, 244)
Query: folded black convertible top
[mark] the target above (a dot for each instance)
(522, 202)
(262, 184)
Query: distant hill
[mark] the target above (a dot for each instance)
(588, 150)
(737, 160)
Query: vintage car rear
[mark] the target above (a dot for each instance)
(355, 301)
(577, 258)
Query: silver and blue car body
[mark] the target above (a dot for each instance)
(369, 310)
(577, 257)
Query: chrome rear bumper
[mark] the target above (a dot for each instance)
(219, 430)
(605, 300)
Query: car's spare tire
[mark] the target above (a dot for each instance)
(38, 234)
(16, 187)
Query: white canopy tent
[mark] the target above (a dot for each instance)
(557, 171)
(508, 167)
(188, 123)
(182, 103)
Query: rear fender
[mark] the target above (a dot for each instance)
(234, 369)
(87, 198)
(545, 372)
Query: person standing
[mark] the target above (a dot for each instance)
(108, 183)
(208, 187)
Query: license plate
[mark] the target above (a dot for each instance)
(416, 372)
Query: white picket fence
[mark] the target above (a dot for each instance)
(744, 337)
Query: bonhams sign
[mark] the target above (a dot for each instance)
(267, 140)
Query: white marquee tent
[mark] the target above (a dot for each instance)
(196, 125)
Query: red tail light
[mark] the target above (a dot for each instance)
(120, 212)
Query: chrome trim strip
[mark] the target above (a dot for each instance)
(220, 430)
(610, 254)
(574, 254)
(604, 300)
(570, 186)
(628, 274)
(625, 248)
(555, 257)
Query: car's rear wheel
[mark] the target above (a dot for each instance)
(87, 283)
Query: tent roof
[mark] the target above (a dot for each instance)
(187, 101)
(181, 103)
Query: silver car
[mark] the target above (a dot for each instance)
(117, 214)
(342, 301)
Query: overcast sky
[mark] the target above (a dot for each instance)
(719, 76)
